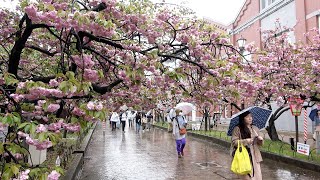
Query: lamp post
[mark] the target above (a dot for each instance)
(295, 108)
(241, 43)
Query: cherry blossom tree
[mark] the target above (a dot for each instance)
(65, 64)
(285, 70)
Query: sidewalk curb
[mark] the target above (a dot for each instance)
(75, 168)
(287, 160)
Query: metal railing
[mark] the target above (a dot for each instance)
(282, 147)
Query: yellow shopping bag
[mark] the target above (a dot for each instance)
(241, 163)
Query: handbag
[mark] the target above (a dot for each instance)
(241, 163)
(183, 130)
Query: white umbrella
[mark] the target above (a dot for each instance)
(149, 113)
(123, 108)
(185, 107)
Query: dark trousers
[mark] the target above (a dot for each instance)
(130, 122)
(113, 124)
(123, 125)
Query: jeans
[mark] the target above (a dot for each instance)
(138, 127)
(180, 145)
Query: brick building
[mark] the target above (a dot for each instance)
(256, 15)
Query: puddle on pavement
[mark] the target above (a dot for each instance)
(208, 164)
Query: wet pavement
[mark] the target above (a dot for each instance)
(152, 155)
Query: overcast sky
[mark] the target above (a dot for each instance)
(223, 11)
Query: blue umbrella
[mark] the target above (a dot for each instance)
(313, 113)
(260, 117)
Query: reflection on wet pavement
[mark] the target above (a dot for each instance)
(152, 155)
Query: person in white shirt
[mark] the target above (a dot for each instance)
(114, 119)
(170, 117)
(131, 116)
(124, 117)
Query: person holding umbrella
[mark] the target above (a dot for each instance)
(315, 117)
(178, 131)
(249, 136)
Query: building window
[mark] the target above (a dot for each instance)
(266, 3)
(319, 23)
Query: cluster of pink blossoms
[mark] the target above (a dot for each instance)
(39, 145)
(91, 75)
(53, 107)
(23, 175)
(78, 112)
(85, 62)
(94, 106)
(54, 175)
(72, 127)
(55, 127)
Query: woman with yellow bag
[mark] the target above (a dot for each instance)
(247, 136)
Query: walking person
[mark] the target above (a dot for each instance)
(149, 118)
(170, 116)
(138, 121)
(316, 122)
(143, 121)
(114, 120)
(249, 135)
(178, 124)
(124, 117)
(131, 116)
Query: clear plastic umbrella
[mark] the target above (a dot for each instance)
(185, 107)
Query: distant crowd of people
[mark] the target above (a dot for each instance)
(140, 119)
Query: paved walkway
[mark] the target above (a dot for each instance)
(152, 155)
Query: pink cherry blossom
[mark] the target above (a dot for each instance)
(99, 107)
(41, 128)
(91, 75)
(90, 105)
(23, 175)
(53, 107)
(53, 83)
(77, 111)
(54, 175)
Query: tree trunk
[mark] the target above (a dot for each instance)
(271, 129)
(206, 115)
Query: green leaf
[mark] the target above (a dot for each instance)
(70, 75)
(59, 170)
(10, 79)
(97, 114)
(42, 137)
(33, 128)
(23, 4)
(34, 173)
(15, 169)
(27, 128)
(74, 119)
(23, 125)
(7, 174)
(1, 148)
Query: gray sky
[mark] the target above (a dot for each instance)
(223, 11)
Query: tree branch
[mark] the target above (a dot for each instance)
(99, 7)
(42, 50)
(104, 89)
(99, 39)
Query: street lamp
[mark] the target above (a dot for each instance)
(241, 43)
(295, 108)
